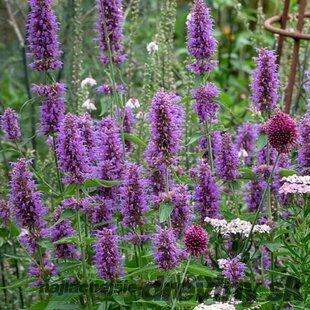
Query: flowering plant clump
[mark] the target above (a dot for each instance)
(146, 159)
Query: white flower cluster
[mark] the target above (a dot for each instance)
(297, 179)
(133, 103)
(152, 47)
(88, 82)
(85, 84)
(295, 184)
(216, 306)
(236, 226)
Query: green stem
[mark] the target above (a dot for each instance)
(260, 204)
(57, 167)
(210, 153)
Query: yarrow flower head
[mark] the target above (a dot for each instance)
(133, 198)
(167, 255)
(227, 161)
(265, 81)
(216, 306)
(52, 108)
(233, 269)
(205, 106)
(42, 36)
(206, 193)
(26, 200)
(10, 125)
(72, 153)
(295, 185)
(107, 258)
(282, 133)
(110, 30)
(196, 240)
(201, 42)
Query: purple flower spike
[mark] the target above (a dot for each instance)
(72, 153)
(167, 255)
(133, 197)
(201, 43)
(52, 108)
(226, 161)
(205, 106)
(207, 194)
(5, 212)
(42, 36)
(111, 17)
(10, 125)
(233, 269)
(26, 201)
(107, 258)
(304, 143)
(215, 143)
(108, 89)
(265, 81)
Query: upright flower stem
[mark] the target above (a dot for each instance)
(60, 188)
(210, 147)
(112, 72)
(260, 204)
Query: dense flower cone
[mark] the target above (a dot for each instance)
(10, 125)
(282, 133)
(52, 108)
(107, 257)
(167, 255)
(265, 81)
(233, 269)
(72, 153)
(133, 197)
(207, 194)
(111, 17)
(27, 203)
(42, 36)
(201, 43)
(196, 240)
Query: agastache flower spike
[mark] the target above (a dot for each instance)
(26, 201)
(133, 197)
(265, 81)
(304, 143)
(52, 108)
(72, 153)
(111, 17)
(107, 256)
(226, 161)
(201, 43)
(5, 212)
(10, 125)
(207, 194)
(233, 269)
(42, 36)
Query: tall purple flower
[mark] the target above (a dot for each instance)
(226, 161)
(72, 153)
(166, 117)
(108, 89)
(133, 197)
(265, 81)
(254, 192)
(42, 36)
(304, 146)
(167, 255)
(128, 123)
(215, 143)
(86, 125)
(26, 201)
(207, 194)
(52, 108)
(205, 106)
(233, 269)
(107, 256)
(201, 43)
(246, 140)
(110, 153)
(5, 212)
(307, 86)
(111, 18)
(10, 125)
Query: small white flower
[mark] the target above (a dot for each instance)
(88, 105)
(88, 82)
(152, 47)
(133, 103)
(141, 115)
(243, 153)
(188, 18)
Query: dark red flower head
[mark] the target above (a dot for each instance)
(196, 240)
(282, 132)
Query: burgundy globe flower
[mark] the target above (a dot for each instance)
(196, 240)
(282, 132)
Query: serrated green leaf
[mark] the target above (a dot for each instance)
(201, 270)
(165, 211)
(41, 305)
(195, 138)
(101, 183)
(246, 174)
(19, 283)
(120, 300)
(287, 172)
(261, 141)
(67, 240)
(135, 140)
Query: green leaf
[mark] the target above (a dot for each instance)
(247, 174)
(287, 172)
(159, 303)
(186, 99)
(19, 283)
(119, 299)
(66, 214)
(41, 305)
(46, 244)
(261, 141)
(165, 211)
(135, 140)
(67, 240)
(195, 138)
(201, 270)
(17, 257)
(273, 246)
(139, 271)
(101, 183)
